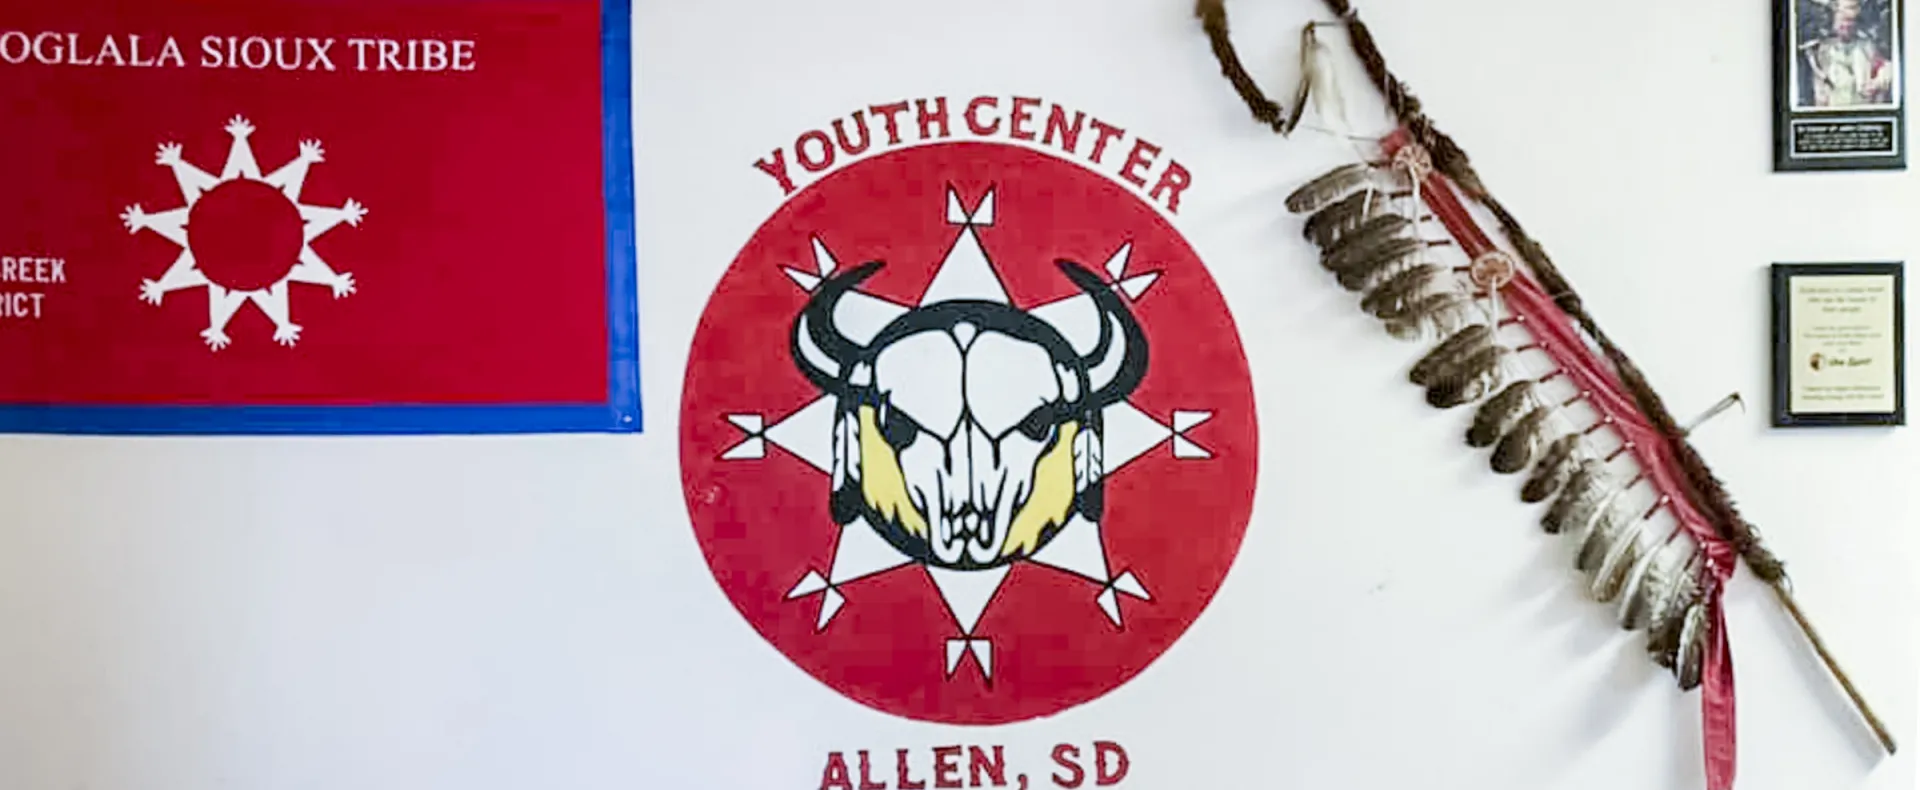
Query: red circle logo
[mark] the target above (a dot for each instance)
(968, 434)
(244, 235)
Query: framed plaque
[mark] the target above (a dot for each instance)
(1839, 98)
(1839, 350)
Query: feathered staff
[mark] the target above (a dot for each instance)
(1654, 534)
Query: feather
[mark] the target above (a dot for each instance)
(1517, 448)
(1444, 313)
(1333, 185)
(1556, 465)
(1692, 647)
(1448, 352)
(1365, 242)
(1342, 216)
(1329, 102)
(1300, 93)
(1680, 592)
(1643, 586)
(1621, 558)
(1360, 266)
(1498, 413)
(1470, 381)
(1450, 317)
(1393, 294)
(1587, 489)
(1399, 256)
(1663, 641)
(1603, 530)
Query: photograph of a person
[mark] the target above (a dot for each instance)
(1846, 54)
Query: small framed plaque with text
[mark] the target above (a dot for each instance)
(1838, 98)
(1839, 350)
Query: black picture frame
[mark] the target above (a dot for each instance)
(1859, 127)
(1787, 364)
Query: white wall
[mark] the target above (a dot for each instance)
(487, 614)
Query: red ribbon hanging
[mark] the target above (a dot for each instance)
(1557, 336)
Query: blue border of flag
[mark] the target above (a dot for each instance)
(621, 413)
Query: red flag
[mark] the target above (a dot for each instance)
(303, 216)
